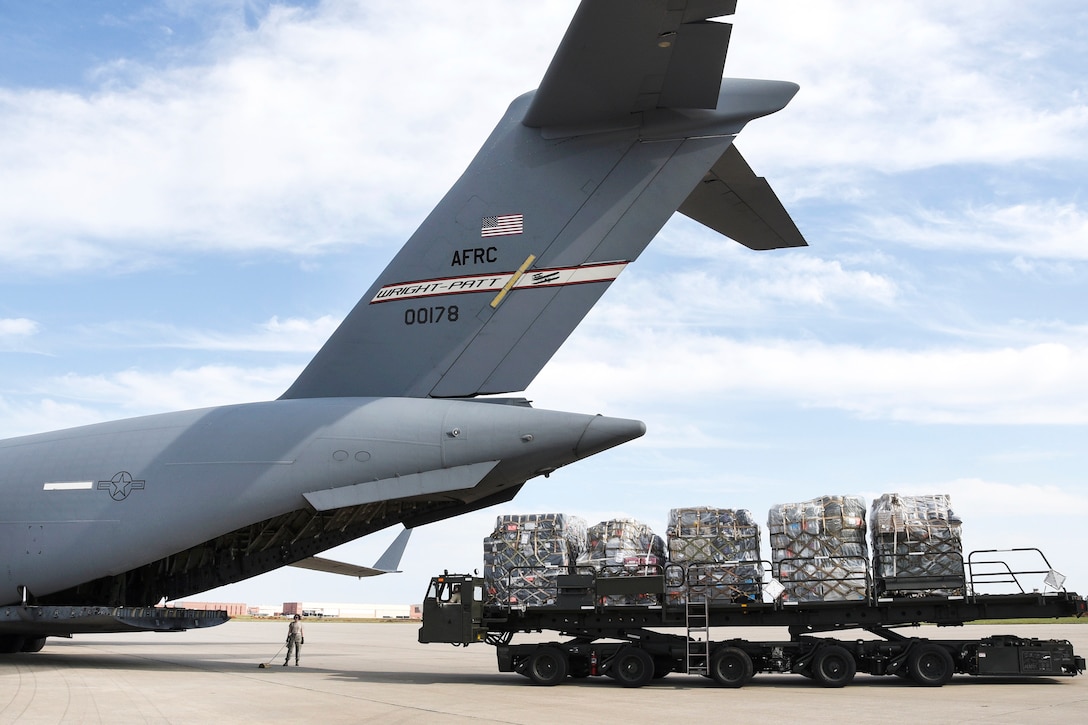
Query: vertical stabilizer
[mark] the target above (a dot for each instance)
(571, 186)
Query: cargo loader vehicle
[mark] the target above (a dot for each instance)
(669, 631)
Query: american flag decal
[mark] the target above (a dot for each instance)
(503, 225)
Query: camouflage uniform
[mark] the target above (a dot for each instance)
(295, 639)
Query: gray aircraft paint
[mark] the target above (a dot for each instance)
(202, 473)
(585, 200)
(631, 122)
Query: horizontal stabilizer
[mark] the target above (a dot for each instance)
(416, 484)
(387, 563)
(621, 57)
(732, 200)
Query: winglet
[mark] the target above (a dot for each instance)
(387, 563)
(390, 560)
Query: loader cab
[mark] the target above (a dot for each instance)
(453, 610)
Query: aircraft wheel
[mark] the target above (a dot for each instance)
(731, 667)
(547, 666)
(33, 644)
(632, 667)
(833, 666)
(930, 665)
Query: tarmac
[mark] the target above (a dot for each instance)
(357, 673)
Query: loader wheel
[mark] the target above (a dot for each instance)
(930, 665)
(547, 666)
(10, 644)
(632, 667)
(663, 665)
(578, 667)
(833, 666)
(731, 667)
(33, 644)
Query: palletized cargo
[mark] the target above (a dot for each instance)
(526, 552)
(608, 608)
(705, 547)
(624, 547)
(818, 549)
(917, 545)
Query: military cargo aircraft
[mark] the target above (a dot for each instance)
(387, 424)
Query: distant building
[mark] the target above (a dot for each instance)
(309, 609)
(352, 611)
(233, 609)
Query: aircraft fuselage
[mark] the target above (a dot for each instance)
(100, 500)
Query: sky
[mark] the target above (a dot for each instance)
(193, 193)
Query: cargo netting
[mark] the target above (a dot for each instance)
(625, 547)
(709, 550)
(917, 546)
(818, 549)
(525, 554)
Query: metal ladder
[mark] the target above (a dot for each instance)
(698, 624)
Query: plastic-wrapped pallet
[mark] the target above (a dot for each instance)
(624, 547)
(705, 547)
(917, 545)
(525, 554)
(818, 548)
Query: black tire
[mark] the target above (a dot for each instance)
(547, 666)
(10, 644)
(731, 667)
(578, 667)
(33, 644)
(930, 665)
(632, 667)
(663, 665)
(833, 666)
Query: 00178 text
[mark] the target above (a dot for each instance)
(428, 315)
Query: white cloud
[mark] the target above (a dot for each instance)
(292, 137)
(293, 334)
(273, 138)
(321, 127)
(275, 335)
(994, 499)
(18, 327)
(16, 333)
(1045, 383)
(969, 82)
(138, 392)
(1038, 230)
(23, 418)
(698, 278)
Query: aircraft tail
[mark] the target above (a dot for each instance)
(631, 122)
